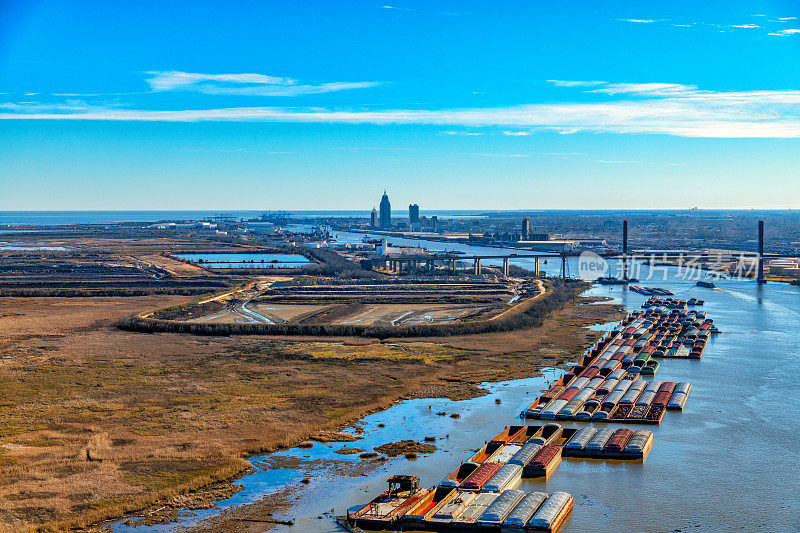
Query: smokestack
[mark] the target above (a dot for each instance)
(760, 278)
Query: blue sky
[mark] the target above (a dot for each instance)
(452, 105)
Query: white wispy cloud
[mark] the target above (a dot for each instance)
(637, 108)
(639, 21)
(244, 84)
(517, 133)
(652, 89)
(786, 19)
(786, 32)
(409, 10)
(613, 161)
(466, 133)
(744, 26)
(573, 83)
(501, 155)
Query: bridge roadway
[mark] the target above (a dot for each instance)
(412, 262)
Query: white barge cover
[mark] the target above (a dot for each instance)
(500, 507)
(580, 439)
(598, 441)
(524, 510)
(525, 454)
(504, 477)
(550, 510)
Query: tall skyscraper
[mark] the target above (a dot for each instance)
(413, 214)
(526, 227)
(386, 212)
(373, 219)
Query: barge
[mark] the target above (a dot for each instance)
(606, 383)
(544, 462)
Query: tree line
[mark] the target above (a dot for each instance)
(527, 316)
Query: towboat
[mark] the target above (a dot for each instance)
(390, 506)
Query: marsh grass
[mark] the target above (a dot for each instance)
(105, 422)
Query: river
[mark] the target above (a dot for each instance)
(730, 461)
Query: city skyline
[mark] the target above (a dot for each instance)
(570, 106)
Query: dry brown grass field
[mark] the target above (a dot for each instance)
(99, 422)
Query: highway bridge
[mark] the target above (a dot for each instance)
(420, 262)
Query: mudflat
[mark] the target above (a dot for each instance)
(100, 422)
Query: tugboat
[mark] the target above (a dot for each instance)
(389, 506)
(706, 284)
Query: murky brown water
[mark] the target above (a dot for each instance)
(729, 462)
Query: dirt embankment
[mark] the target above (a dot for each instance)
(100, 422)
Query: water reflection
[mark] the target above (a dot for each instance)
(729, 461)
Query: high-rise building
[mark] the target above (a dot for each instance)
(373, 218)
(434, 223)
(526, 227)
(386, 212)
(413, 214)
